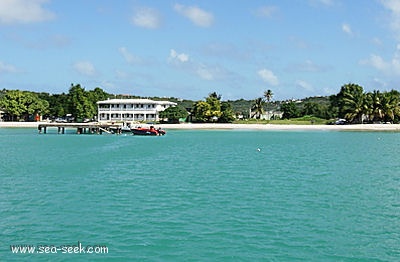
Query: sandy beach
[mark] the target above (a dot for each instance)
(360, 127)
(366, 127)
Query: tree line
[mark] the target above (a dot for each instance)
(357, 106)
(351, 103)
(25, 105)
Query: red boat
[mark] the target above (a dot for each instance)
(151, 131)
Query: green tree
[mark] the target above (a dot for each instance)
(98, 94)
(312, 109)
(201, 111)
(81, 101)
(257, 108)
(352, 103)
(11, 103)
(375, 107)
(174, 113)
(22, 104)
(215, 95)
(34, 105)
(390, 105)
(227, 115)
(215, 106)
(60, 105)
(268, 95)
(209, 110)
(289, 110)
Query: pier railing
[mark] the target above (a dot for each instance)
(81, 128)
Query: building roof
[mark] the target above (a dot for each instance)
(135, 101)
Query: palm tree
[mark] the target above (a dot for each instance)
(215, 95)
(356, 107)
(390, 105)
(258, 107)
(375, 107)
(352, 103)
(268, 97)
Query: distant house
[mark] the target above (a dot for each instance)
(131, 109)
(269, 115)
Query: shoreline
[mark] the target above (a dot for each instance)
(217, 126)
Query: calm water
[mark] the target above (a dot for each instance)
(203, 195)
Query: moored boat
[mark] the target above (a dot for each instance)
(151, 131)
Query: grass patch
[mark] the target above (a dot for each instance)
(305, 120)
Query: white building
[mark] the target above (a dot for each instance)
(131, 109)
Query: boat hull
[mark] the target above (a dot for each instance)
(147, 132)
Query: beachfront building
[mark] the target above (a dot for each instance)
(268, 115)
(131, 109)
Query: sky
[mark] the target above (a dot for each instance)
(188, 49)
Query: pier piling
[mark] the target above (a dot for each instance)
(81, 128)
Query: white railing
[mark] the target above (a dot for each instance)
(127, 109)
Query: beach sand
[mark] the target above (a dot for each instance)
(364, 127)
(360, 127)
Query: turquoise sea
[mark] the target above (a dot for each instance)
(207, 195)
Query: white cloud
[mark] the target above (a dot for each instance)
(24, 11)
(391, 67)
(378, 82)
(107, 85)
(213, 72)
(207, 72)
(307, 66)
(129, 58)
(147, 18)
(7, 68)
(174, 56)
(198, 16)
(347, 29)
(85, 68)
(304, 85)
(377, 41)
(394, 7)
(204, 73)
(268, 77)
(375, 61)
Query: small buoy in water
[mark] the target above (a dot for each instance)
(258, 149)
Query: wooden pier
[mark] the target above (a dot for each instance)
(82, 128)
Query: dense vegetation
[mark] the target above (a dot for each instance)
(25, 105)
(351, 103)
(174, 114)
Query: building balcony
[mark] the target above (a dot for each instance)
(126, 109)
